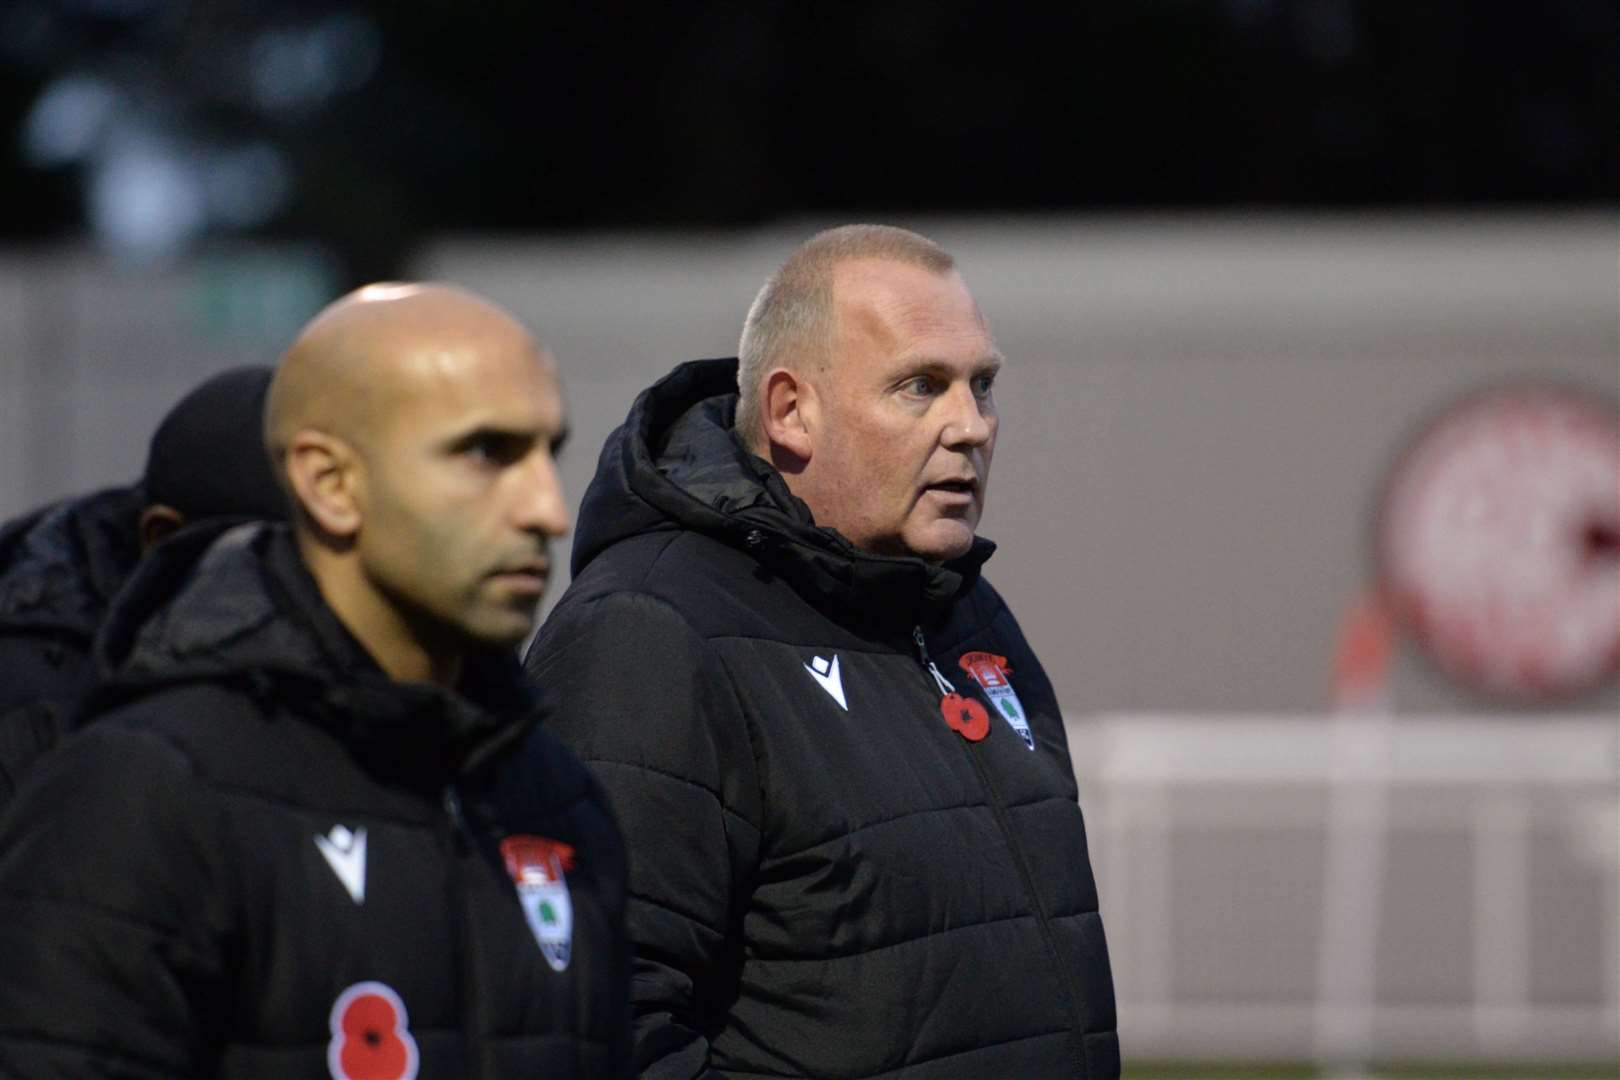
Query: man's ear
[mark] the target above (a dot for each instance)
(157, 523)
(791, 415)
(325, 475)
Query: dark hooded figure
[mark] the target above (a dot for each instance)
(61, 565)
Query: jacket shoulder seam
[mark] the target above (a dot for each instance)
(665, 905)
(658, 556)
(676, 778)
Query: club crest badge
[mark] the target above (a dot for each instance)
(538, 867)
(990, 672)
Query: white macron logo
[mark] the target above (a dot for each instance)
(825, 672)
(345, 853)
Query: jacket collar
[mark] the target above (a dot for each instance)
(60, 566)
(237, 606)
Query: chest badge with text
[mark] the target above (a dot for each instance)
(539, 866)
(990, 672)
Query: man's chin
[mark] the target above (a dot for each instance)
(942, 541)
(499, 629)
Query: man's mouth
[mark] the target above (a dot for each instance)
(526, 576)
(954, 496)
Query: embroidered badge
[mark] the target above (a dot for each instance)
(538, 866)
(990, 672)
(371, 1036)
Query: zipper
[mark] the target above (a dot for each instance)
(941, 683)
(1004, 823)
(459, 846)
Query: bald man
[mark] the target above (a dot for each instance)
(315, 829)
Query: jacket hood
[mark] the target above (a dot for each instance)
(234, 605)
(676, 464)
(60, 566)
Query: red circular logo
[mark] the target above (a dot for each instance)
(1500, 542)
(371, 1039)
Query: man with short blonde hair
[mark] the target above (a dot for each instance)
(791, 318)
(856, 847)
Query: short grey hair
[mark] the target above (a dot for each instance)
(792, 317)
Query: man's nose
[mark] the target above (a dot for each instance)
(542, 506)
(971, 420)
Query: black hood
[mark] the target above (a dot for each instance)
(234, 605)
(60, 566)
(676, 464)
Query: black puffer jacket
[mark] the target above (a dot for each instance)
(826, 879)
(267, 859)
(59, 569)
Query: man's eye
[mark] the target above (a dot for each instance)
(983, 384)
(922, 385)
(492, 451)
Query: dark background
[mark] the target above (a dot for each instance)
(389, 123)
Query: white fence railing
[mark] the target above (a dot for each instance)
(1359, 888)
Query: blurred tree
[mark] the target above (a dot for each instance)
(159, 122)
